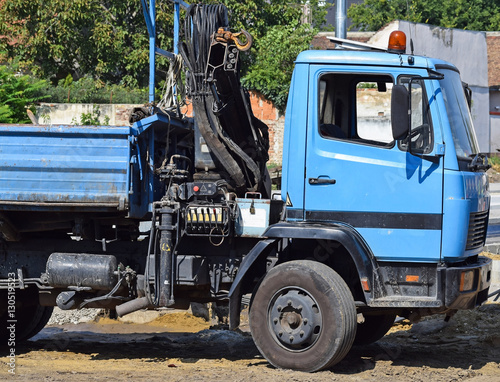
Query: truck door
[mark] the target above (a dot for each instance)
(358, 175)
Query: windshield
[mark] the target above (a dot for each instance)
(459, 116)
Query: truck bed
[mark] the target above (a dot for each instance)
(73, 166)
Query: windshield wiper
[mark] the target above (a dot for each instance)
(480, 162)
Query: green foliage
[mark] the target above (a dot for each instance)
(17, 94)
(5, 114)
(483, 15)
(87, 90)
(366, 85)
(495, 162)
(106, 40)
(271, 73)
(260, 17)
(280, 34)
(91, 118)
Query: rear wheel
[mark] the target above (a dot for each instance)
(29, 317)
(373, 328)
(303, 316)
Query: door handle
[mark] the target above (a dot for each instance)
(313, 181)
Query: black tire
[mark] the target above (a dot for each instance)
(30, 316)
(374, 328)
(41, 315)
(303, 316)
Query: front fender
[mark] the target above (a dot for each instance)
(347, 236)
(362, 256)
(262, 248)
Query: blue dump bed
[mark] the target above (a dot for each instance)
(77, 166)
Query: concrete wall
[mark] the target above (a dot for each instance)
(495, 133)
(71, 113)
(467, 50)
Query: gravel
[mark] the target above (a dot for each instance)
(61, 317)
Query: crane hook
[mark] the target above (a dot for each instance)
(225, 36)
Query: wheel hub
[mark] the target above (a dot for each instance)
(294, 318)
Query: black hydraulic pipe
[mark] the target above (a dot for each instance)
(132, 306)
(166, 258)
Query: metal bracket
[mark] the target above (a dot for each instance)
(20, 277)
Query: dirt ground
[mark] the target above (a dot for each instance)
(180, 347)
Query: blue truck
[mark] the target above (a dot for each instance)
(383, 208)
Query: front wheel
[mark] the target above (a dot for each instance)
(303, 316)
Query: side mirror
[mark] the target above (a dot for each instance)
(468, 94)
(399, 112)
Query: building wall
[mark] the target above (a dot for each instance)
(495, 133)
(467, 50)
(267, 113)
(493, 43)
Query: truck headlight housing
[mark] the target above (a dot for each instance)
(466, 281)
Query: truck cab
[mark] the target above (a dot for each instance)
(384, 184)
(419, 202)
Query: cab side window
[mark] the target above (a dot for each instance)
(333, 110)
(421, 135)
(373, 111)
(356, 108)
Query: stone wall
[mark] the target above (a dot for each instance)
(467, 50)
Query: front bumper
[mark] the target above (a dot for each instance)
(460, 296)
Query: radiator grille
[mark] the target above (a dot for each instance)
(478, 224)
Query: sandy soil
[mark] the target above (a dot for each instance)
(492, 256)
(180, 347)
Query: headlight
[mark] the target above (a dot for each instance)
(466, 281)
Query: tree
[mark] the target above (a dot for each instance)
(483, 15)
(279, 36)
(104, 39)
(17, 94)
(271, 72)
(258, 17)
(107, 40)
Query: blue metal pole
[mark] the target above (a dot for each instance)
(177, 15)
(152, 50)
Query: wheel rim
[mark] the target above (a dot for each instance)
(294, 317)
